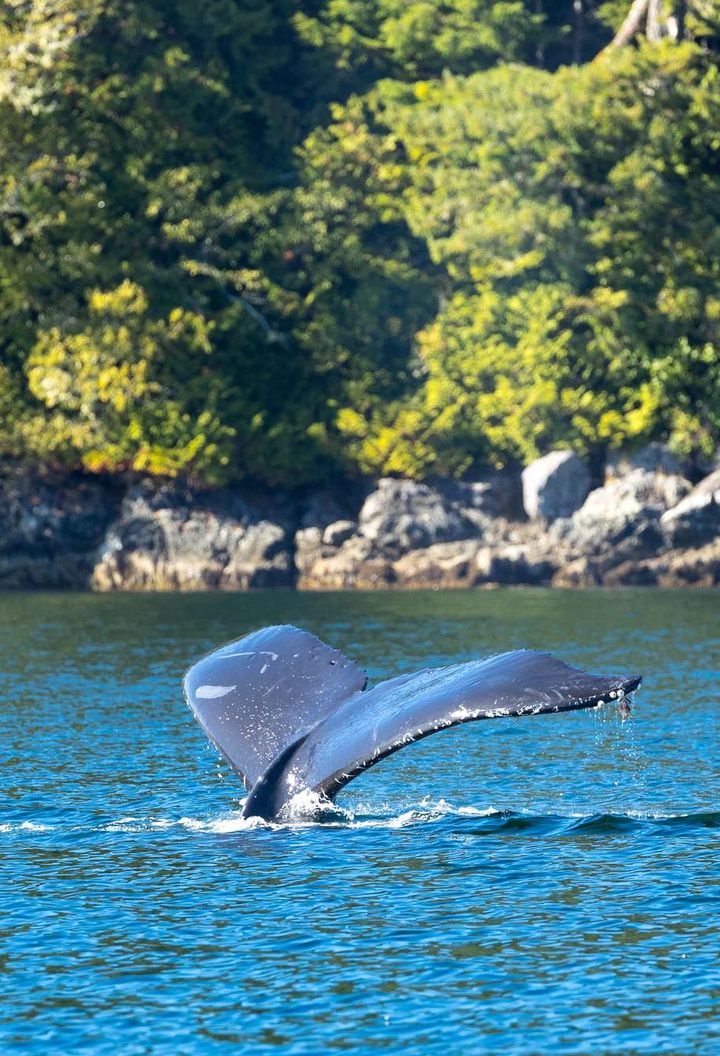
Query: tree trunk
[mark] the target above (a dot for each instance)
(578, 30)
(680, 13)
(659, 23)
(654, 29)
(539, 48)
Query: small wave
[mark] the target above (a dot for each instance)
(311, 811)
(634, 821)
(704, 819)
(24, 826)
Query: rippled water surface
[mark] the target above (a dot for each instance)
(515, 886)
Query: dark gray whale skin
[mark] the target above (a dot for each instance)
(289, 713)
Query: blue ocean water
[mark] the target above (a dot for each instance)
(536, 885)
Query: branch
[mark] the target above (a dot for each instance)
(270, 332)
(638, 11)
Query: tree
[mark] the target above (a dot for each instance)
(572, 219)
(420, 39)
(280, 240)
(154, 139)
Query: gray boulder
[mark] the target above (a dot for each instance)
(625, 511)
(309, 551)
(167, 538)
(693, 567)
(404, 515)
(555, 485)
(618, 527)
(695, 520)
(405, 534)
(339, 532)
(328, 519)
(652, 458)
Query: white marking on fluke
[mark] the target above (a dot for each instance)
(211, 692)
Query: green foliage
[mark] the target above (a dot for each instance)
(279, 239)
(111, 397)
(573, 219)
(411, 40)
(421, 38)
(140, 150)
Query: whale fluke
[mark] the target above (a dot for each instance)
(289, 713)
(254, 697)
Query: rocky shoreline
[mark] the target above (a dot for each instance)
(649, 523)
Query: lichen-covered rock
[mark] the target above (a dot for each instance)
(308, 551)
(339, 532)
(353, 565)
(470, 563)
(167, 538)
(519, 564)
(695, 519)
(403, 515)
(555, 485)
(643, 527)
(328, 520)
(695, 567)
(579, 572)
(445, 565)
(607, 540)
(50, 529)
(622, 514)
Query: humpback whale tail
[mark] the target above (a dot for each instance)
(289, 713)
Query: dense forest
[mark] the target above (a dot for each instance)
(291, 239)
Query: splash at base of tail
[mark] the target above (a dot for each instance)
(291, 714)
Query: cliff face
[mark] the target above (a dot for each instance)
(647, 524)
(50, 529)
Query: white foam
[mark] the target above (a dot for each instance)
(25, 826)
(309, 810)
(307, 805)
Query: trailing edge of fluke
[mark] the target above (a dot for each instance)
(289, 713)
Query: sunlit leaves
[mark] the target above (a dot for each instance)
(573, 220)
